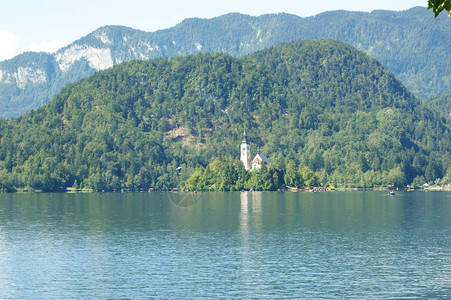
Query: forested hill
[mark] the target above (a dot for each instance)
(141, 124)
(412, 44)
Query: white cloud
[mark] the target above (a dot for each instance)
(9, 45)
(46, 46)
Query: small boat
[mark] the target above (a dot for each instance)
(392, 193)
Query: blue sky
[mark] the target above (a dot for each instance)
(46, 25)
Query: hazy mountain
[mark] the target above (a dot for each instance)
(322, 104)
(411, 43)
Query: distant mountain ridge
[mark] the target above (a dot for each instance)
(410, 43)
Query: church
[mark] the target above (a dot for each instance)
(245, 156)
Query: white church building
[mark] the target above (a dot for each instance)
(245, 156)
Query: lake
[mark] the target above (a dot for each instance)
(225, 245)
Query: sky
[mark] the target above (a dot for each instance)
(47, 25)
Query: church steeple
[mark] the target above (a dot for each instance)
(244, 136)
(245, 152)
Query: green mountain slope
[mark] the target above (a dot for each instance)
(412, 44)
(144, 124)
(441, 103)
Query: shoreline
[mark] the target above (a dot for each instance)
(311, 190)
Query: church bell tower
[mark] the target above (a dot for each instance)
(245, 153)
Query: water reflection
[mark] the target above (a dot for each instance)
(250, 251)
(251, 211)
(251, 202)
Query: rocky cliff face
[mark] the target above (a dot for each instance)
(27, 68)
(97, 58)
(23, 76)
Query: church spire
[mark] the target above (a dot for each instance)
(245, 155)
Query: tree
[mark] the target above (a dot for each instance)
(291, 175)
(439, 5)
(396, 177)
(309, 177)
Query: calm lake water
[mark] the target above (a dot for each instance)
(225, 245)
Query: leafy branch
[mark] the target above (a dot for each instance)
(439, 5)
